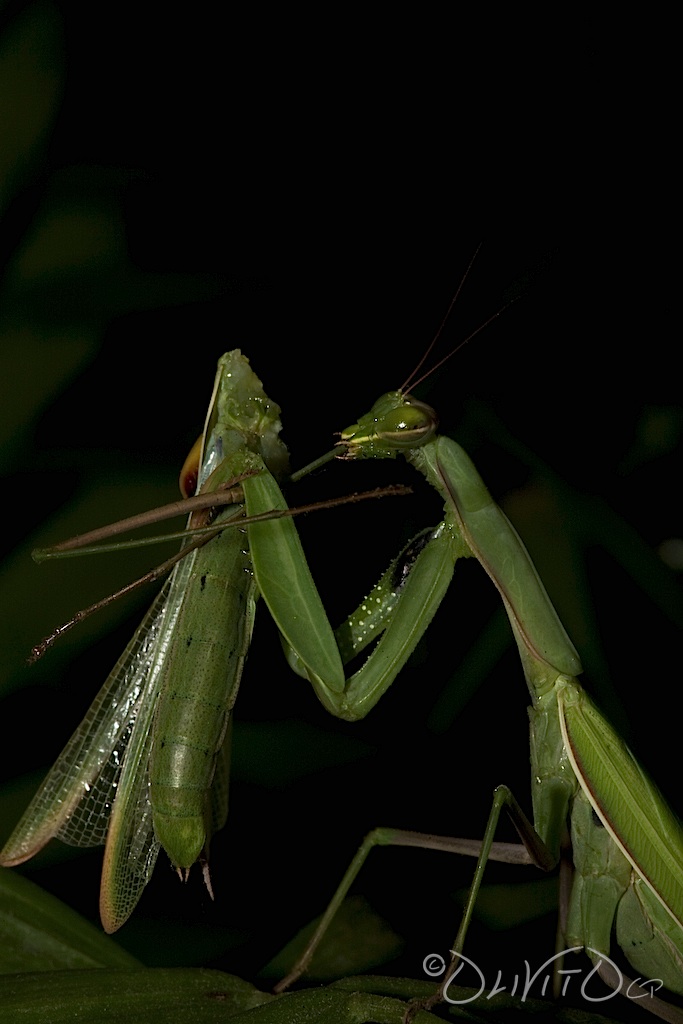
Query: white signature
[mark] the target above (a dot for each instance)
(434, 966)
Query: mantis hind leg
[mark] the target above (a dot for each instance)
(530, 851)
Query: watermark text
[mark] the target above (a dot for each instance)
(435, 966)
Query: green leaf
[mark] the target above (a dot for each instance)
(40, 933)
(126, 996)
(332, 1006)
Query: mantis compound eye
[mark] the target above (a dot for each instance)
(189, 474)
(409, 425)
(396, 421)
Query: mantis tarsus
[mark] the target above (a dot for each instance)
(345, 710)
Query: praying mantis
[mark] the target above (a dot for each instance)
(627, 844)
(428, 548)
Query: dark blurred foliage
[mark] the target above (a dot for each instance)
(164, 200)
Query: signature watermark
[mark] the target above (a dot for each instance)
(435, 966)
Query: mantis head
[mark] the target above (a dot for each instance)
(240, 413)
(395, 423)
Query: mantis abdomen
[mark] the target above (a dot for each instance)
(203, 672)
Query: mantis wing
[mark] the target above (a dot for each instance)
(98, 789)
(75, 800)
(643, 827)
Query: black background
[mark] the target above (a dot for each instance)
(308, 231)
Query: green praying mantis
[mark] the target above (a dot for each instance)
(627, 844)
(161, 721)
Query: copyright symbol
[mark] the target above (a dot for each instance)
(433, 965)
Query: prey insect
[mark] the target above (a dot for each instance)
(147, 767)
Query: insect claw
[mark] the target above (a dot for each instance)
(206, 875)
